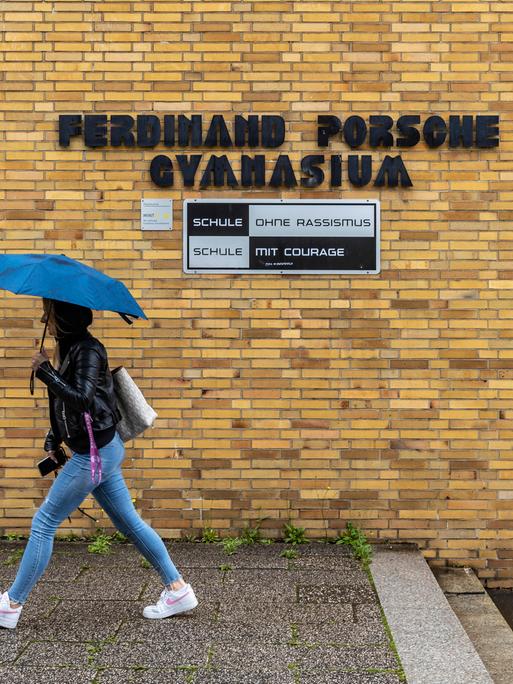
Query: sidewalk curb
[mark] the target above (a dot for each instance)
(432, 644)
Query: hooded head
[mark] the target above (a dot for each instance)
(71, 319)
(68, 323)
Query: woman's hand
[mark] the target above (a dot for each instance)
(38, 358)
(51, 454)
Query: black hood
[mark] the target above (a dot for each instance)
(72, 322)
(71, 319)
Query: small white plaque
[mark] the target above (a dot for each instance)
(156, 214)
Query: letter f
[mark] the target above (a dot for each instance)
(69, 125)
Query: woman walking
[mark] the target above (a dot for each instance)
(83, 385)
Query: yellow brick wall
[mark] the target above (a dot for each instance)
(385, 400)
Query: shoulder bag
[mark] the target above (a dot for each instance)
(136, 414)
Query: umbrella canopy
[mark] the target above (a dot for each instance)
(56, 276)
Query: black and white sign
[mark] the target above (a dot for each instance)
(281, 236)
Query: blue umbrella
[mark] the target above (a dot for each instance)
(56, 276)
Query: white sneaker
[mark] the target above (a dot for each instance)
(8, 616)
(172, 603)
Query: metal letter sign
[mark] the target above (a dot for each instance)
(281, 236)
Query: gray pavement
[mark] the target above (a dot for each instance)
(261, 619)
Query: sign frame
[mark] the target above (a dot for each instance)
(288, 271)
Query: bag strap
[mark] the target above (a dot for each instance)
(94, 454)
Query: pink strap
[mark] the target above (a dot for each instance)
(96, 461)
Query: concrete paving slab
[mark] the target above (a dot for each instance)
(254, 556)
(186, 555)
(228, 676)
(174, 651)
(319, 614)
(61, 654)
(432, 644)
(249, 657)
(169, 675)
(264, 632)
(190, 624)
(12, 644)
(104, 585)
(123, 556)
(367, 613)
(46, 675)
(186, 626)
(66, 569)
(342, 634)
(80, 621)
(322, 592)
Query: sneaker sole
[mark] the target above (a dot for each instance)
(6, 623)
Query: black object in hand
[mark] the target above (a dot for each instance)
(47, 465)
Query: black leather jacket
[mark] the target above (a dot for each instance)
(83, 383)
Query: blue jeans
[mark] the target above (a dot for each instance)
(69, 489)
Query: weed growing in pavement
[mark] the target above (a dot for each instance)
(295, 672)
(294, 640)
(289, 553)
(248, 536)
(100, 543)
(231, 544)
(225, 567)
(14, 557)
(356, 539)
(70, 537)
(294, 535)
(188, 537)
(209, 536)
(252, 535)
(145, 564)
(119, 538)
(94, 648)
(12, 536)
(189, 671)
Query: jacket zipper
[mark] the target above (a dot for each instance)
(65, 422)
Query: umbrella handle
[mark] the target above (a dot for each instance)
(33, 374)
